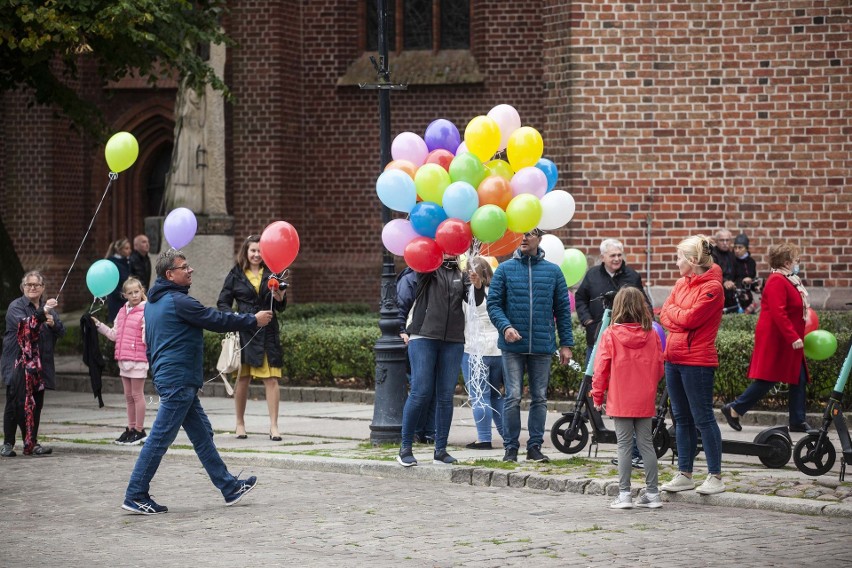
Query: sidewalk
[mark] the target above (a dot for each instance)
(334, 437)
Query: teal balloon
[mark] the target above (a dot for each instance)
(573, 266)
(396, 190)
(460, 200)
(820, 344)
(102, 278)
(489, 223)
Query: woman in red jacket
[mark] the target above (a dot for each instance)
(778, 341)
(692, 314)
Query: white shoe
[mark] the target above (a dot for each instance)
(650, 501)
(679, 483)
(622, 502)
(711, 486)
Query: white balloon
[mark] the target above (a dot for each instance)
(508, 119)
(557, 208)
(554, 250)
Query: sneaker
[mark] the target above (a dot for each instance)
(650, 501)
(123, 438)
(511, 455)
(711, 486)
(637, 463)
(803, 427)
(443, 458)
(146, 506)
(479, 446)
(245, 485)
(406, 458)
(622, 502)
(733, 421)
(8, 451)
(679, 483)
(136, 438)
(534, 454)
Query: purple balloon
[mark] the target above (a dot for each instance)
(529, 180)
(409, 146)
(397, 234)
(442, 134)
(179, 227)
(662, 333)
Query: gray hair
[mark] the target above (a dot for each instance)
(166, 261)
(611, 243)
(32, 274)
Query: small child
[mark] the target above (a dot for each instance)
(129, 336)
(628, 367)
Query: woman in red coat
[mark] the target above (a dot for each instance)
(778, 341)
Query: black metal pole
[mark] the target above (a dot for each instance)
(389, 350)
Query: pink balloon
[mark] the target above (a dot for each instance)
(508, 119)
(397, 234)
(529, 180)
(409, 146)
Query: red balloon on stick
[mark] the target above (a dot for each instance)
(811, 321)
(453, 236)
(423, 255)
(279, 245)
(272, 284)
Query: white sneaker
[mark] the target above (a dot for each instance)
(650, 501)
(679, 483)
(711, 486)
(622, 502)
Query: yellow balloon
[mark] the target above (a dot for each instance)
(525, 148)
(500, 168)
(121, 151)
(524, 213)
(482, 137)
(491, 261)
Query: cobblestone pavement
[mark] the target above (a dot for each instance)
(69, 515)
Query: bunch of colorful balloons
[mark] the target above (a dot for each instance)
(458, 193)
(819, 343)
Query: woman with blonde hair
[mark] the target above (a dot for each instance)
(692, 315)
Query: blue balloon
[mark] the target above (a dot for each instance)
(396, 190)
(550, 172)
(460, 200)
(102, 278)
(425, 218)
(442, 133)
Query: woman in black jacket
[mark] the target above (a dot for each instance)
(248, 284)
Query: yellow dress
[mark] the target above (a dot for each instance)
(264, 371)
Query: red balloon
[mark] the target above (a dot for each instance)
(279, 245)
(453, 236)
(495, 190)
(441, 157)
(503, 246)
(423, 255)
(811, 321)
(272, 284)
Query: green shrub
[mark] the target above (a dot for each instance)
(313, 310)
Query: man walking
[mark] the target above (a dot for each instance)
(527, 293)
(174, 321)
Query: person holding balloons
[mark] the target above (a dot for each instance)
(248, 284)
(118, 254)
(27, 368)
(778, 355)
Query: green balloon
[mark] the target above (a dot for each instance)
(431, 180)
(489, 223)
(467, 167)
(573, 266)
(820, 344)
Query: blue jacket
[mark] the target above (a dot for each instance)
(527, 293)
(174, 321)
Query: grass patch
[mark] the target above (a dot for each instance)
(494, 463)
(592, 528)
(382, 446)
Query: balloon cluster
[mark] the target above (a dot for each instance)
(459, 192)
(819, 343)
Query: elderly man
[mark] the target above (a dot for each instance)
(724, 256)
(140, 264)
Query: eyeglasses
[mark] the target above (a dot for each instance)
(33, 286)
(184, 267)
(532, 234)
(724, 240)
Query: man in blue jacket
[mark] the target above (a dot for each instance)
(174, 324)
(527, 293)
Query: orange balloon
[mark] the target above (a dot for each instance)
(503, 246)
(495, 190)
(403, 165)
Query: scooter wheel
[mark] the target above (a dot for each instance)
(814, 455)
(782, 449)
(662, 442)
(565, 441)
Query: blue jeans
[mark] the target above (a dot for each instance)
(426, 425)
(179, 406)
(691, 394)
(537, 366)
(758, 389)
(486, 401)
(434, 373)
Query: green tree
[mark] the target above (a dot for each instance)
(43, 42)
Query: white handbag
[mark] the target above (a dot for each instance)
(229, 358)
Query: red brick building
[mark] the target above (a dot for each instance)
(665, 118)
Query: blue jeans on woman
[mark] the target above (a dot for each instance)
(795, 399)
(691, 394)
(434, 372)
(538, 370)
(486, 400)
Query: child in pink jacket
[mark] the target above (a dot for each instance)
(129, 336)
(628, 367)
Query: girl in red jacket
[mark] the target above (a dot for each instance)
(129, 336)
(692, 314)
(628, 367)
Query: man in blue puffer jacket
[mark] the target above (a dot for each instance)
(527, 293)
(174, 324)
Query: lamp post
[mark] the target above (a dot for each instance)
(390, 349)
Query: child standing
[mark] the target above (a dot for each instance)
(129, 336)
(628, 367)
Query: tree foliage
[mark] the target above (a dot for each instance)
(43, 42)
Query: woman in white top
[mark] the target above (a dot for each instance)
(482, 365)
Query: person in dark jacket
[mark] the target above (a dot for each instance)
(30, 305)
(435, 349)
(118, 254)
(745, 274)
(527, 295)
(724, 257)
(247, 284)
(140, 262)
(174, 324)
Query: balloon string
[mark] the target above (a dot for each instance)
(112, 177)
